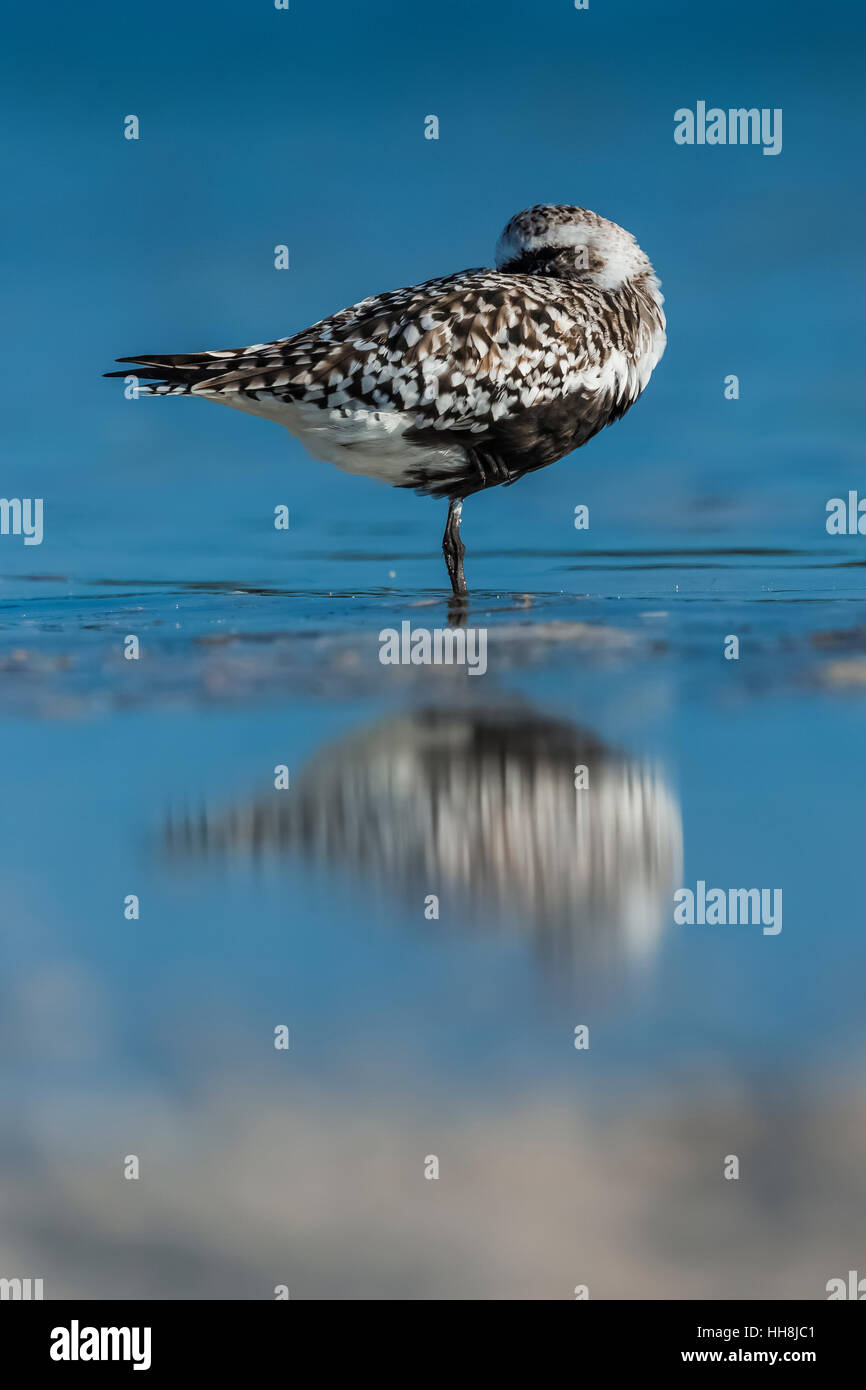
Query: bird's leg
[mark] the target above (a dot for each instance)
(453, 547)
(458, 607)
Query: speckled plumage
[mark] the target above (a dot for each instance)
(465, 381)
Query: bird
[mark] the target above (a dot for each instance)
(463, 382)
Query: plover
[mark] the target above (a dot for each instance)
(463, 382)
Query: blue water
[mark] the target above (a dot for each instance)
(413, 1036)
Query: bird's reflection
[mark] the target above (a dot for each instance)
(480, 808)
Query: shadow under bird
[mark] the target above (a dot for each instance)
(463, 382)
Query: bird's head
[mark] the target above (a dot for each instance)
(572, 243)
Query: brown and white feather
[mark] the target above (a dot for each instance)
(466, 380)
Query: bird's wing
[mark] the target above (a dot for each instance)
(457, 353)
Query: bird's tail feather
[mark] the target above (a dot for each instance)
(184, 374)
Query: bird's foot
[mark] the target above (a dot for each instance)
(458, 610)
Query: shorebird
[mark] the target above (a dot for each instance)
(463, 382)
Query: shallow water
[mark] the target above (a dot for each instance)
(410, 1035)
(452, 1037)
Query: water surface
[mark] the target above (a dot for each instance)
(413, 1036)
